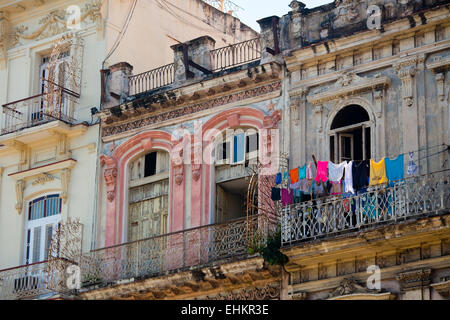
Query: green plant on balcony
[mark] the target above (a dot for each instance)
(270, 249)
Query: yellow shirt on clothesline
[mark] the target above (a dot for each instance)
(377, 172)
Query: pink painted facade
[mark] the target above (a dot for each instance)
(201, 191)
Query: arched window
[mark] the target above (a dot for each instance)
(235, 150)
(44, 215)
(148, 195)
(350, 135)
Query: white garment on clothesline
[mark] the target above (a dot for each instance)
(348, 177)
(336, 171)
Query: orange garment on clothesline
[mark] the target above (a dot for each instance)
(377, 172)
(294, 175)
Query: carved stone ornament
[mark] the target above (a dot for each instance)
(414, 279)
(179, 173)
(4, 39)
(268, 292)
(110, 175)
(346, 12)
(348, 84)
(55, 23)
(406, 70)
(350, 286)
(43, 178)
(20, 186)
(196, 171)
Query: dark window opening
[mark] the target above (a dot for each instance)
(252, 143)
(150, 164)
(352, 114)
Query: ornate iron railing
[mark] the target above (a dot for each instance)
(236, 54)
(152, 79)
(39, 109)
(168, 253)
(415, 196)
(31, 281)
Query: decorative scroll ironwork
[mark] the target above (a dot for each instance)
(152, 79)
(30, 281)
(415, 196)
(173, 252)
(236, 54)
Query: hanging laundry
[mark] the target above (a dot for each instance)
(321, 171)
(412, 167)
(278, 178)
(360, 174)
(305, 186)
(295, 185)
(336, 188)
(377, 172)
(285, 175)
(318, 189)
(395, 168)
(348, 178)
(336, 171)
(297, 194)
(275, 195)
(294, 175)
(286, 197)
(302, 172)
(309, 171)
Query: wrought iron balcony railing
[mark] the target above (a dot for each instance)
(152, 79)
(236, 54)
(168, 253)
(323, 218)
(39, 109)
(30, 281)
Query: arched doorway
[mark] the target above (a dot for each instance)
(148, 196)
(350, 135)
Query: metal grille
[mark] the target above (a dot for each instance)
(167, 253)
(399, 201)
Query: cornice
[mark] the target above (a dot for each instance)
(349, 83)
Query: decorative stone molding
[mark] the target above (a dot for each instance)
(62, 146)
(196, 171)
(415, 279)
(20, 186)
(440, 86)
(271, 122)
(299, 296)
(346, 12)
(190, 109)
(406, 70)
(56, 23)
(43, 178)
(146, 144)
(110, 175)
(267, 292)
(349, 83)
(318, 110)
(178, 173)
(233, 120)
(65, 179)
(4, 38)
(378, 96)
(443, 288)
(349, 286)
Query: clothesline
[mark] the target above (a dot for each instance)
(358, 175)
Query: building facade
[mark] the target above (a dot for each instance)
(50, 56)
(189, 154)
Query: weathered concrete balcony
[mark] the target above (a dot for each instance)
(32, 281)
(39, 109)
(325, 218)
(220, 59)
(169, 253)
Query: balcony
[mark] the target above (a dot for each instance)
(236, 54)
(39, 109)
(32, 281)
(222, 58)
(414, 197)
(169, 253)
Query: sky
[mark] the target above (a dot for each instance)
(257, 9)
